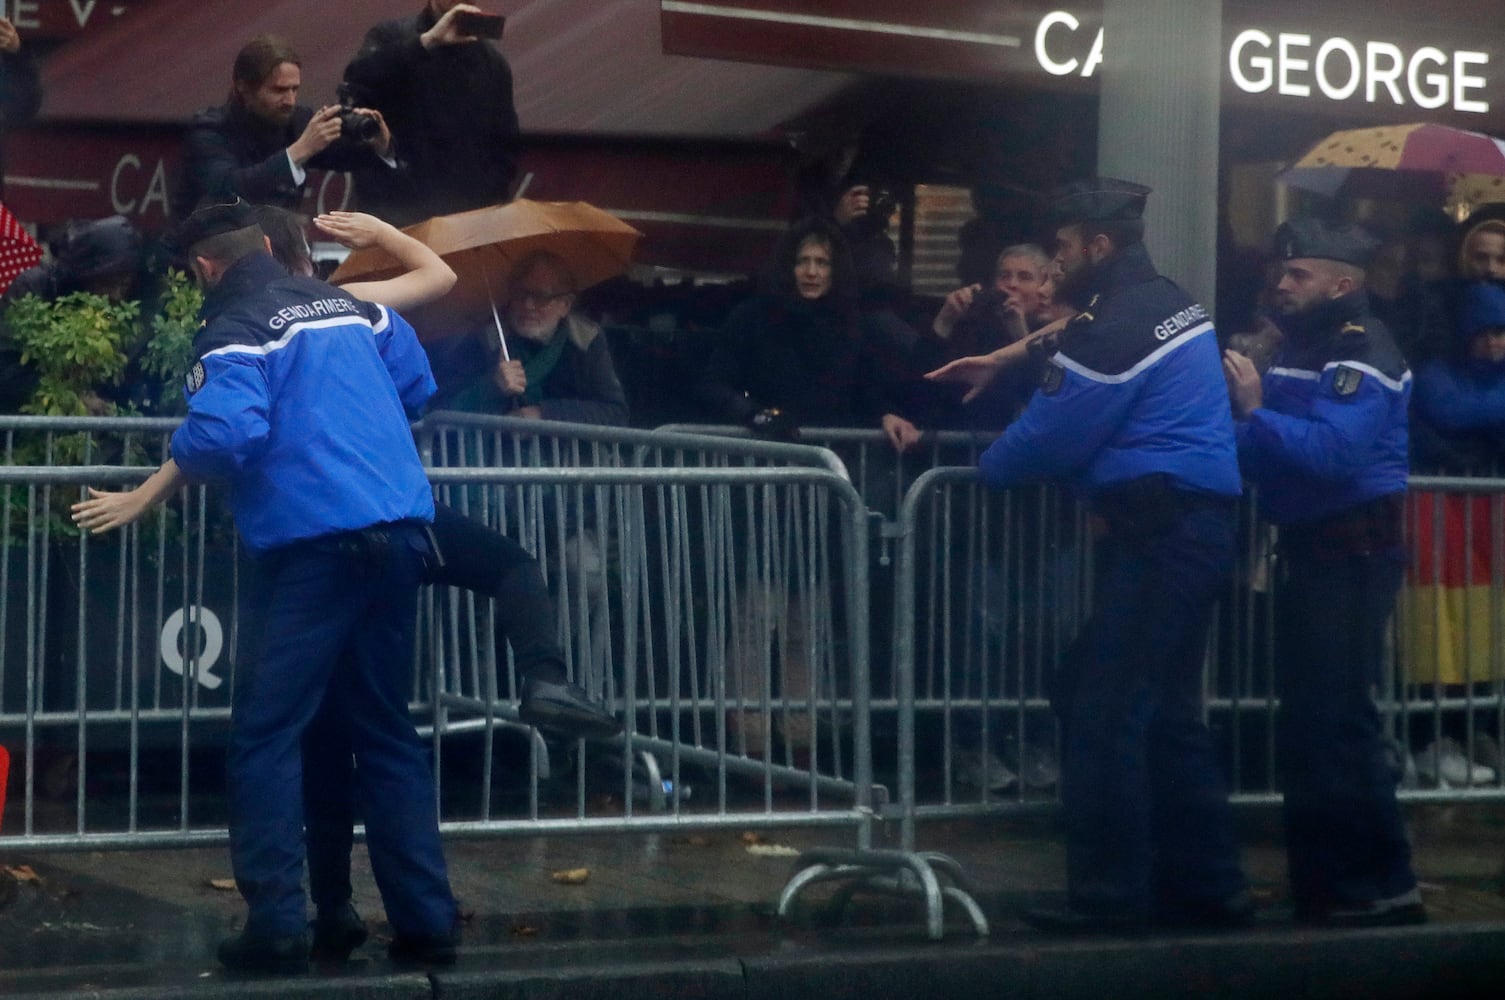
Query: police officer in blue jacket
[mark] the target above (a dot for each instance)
(300, 402)
(1323, 438)
(1131, 411)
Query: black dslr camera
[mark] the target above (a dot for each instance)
(357, 126)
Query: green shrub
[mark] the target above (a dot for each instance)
(75, 344)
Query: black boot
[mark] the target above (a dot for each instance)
(337, 933)
(562, 709)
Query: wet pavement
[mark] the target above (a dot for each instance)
(691, 915)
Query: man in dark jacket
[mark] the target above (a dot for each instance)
(448, 98)
(259, 144)
(1323, 435)
(556, 365)
(1131, 412)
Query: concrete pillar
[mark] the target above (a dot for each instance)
(1158, 125)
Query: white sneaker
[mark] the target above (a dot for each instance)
(982, 769)
(1444, 764)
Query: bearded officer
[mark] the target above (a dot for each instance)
(299, 403)
(1132, 413)
(1323, 436)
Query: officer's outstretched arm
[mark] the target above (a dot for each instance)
(978, 371)
(105, 510)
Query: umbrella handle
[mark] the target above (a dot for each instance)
(496, 318)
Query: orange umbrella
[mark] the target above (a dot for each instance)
(484, 244)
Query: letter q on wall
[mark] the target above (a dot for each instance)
(173, 635)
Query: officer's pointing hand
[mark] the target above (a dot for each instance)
(1245, 390)
(976, 373)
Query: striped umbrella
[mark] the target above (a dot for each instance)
(1418, 160)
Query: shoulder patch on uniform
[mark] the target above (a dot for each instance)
(1051, 377)
(194, 380)
(1346, 380)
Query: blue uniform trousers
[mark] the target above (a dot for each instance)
(1148, 825)
(478, 559)
(1345, 839)
(332, 635)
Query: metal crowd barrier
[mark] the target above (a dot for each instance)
(716, 590)
(137, 696)
(991, 587)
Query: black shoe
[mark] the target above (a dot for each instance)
(564, 709)
(1396, 911)
(424, 949)
(1066, 920)
(337, 933)
(284, 955)
(1233, 913)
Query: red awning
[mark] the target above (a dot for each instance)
(578, 66)
(647, 126)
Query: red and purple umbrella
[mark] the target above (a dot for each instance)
(1399, 160)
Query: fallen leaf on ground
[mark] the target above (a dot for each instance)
(21, 873)
(222, 884)
(773, 851)
(571, 876)
(523, 930)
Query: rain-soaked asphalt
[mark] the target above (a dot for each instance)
(671, 915)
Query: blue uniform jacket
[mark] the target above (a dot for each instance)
(1331, 433)
(1135, 389)
(298, 401)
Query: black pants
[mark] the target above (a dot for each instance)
(489, 563)
(1345, 837)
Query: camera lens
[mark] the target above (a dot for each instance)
(362, 128)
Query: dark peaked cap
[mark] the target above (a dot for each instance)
(210, 220)
(1101, 199)
(1323, 241)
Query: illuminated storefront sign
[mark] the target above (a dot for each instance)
(1297, 64)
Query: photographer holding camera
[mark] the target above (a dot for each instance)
(259, 144)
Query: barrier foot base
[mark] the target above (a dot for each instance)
(903, 874)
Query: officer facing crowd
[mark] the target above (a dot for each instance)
(1323, 436)
(1131, 412)
(298, 401)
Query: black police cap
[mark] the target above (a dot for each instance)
(1101, 199)
(1322, 240)
(208, 220)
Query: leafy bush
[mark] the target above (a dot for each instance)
(75, 343)
(169, 352)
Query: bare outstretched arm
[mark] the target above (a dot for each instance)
(426, 277)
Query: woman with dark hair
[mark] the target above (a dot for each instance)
(800, 351)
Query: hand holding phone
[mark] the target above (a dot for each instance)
(479, 24)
